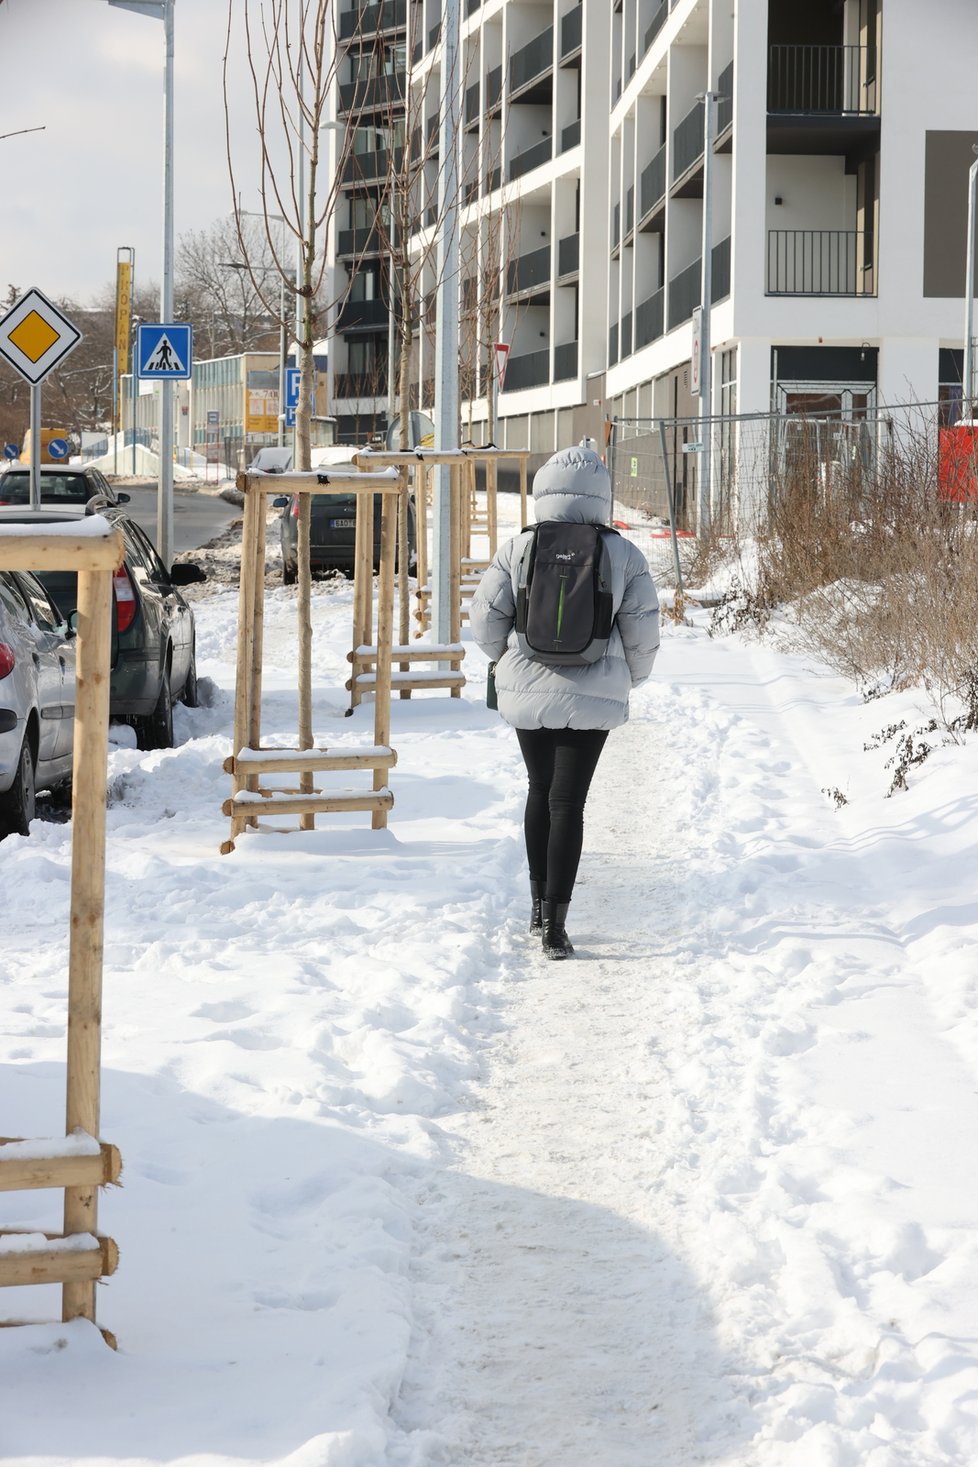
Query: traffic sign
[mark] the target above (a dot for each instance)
(501, 353)
(35, 336)
(290, 416)
(10, 450)
(164, 351)
(58, 447)
(213, 417)
(292, 387)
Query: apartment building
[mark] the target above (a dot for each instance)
(843, 138)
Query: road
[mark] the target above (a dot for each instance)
(197, 518)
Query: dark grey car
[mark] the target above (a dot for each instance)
(332, 533)
(154, 659)
(61, 484)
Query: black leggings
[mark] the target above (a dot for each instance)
(560, 763)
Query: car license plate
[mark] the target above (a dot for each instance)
(342, 524)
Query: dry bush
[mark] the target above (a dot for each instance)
(877, 576)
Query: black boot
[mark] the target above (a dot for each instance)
(536, 898)
(556, 943)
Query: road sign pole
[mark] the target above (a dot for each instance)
(35, 445)
(164, 525)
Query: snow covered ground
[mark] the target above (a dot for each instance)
(398, 1192)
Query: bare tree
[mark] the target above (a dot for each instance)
(215, 286)
(291, 53)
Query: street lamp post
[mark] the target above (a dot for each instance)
(163, 10)
(283, 334)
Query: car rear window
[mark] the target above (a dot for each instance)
(15, 488)
(62, 587)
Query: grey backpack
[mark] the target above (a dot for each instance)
(564, 605)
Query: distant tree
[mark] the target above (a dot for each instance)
(216, 285)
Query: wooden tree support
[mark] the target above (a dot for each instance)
(78, 1162)
(249, 800)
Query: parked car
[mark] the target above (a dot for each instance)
(332, 533)
(37, 698)
(154, 660)
(60, 484)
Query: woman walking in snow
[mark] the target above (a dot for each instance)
(562, 714)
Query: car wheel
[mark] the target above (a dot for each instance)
(190, 697)
(17, 805)
(155, 730)
(290, 573)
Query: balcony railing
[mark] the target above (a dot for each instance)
(372, 92)
(528, 272)
(533, 60)
(687, 141)
(530, 158)
(570, 136)
(362, 315)
(364, 167)
(629, 210)
(569, 255)
(819, 79)
(471, 6)
(366, 20)
(658, 21)
(684, 291)
(361, 384)
(571, 35)
(725, 99)
(493, 179)
(650, 319)
(530, 370)
(472, 104)
(612, 344)
(565, 361)
(819, 262)
(626, 334)
(364, 240)
(494, 88)
(652, 183)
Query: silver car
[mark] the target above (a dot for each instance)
(37, 698)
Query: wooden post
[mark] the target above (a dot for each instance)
(522, 490)
(244, 691)
(492, 491)
(385, 632)
(304, 609)
(421, 510)
(87, 904)
(257, 581)
(455, 573)
(403, 578)
(363, 566)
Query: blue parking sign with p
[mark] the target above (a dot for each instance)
(292, 375)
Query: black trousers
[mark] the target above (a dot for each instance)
(560, 763)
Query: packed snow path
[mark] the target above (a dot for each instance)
(653, 1247)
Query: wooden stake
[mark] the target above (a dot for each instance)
(87, 903)
(385, 636)
(305, 641)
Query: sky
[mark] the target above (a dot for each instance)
(92, 76)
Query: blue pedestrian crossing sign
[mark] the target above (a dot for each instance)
(292, 375)
(164, 351)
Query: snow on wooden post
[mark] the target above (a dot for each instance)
(79, 1162)
(250, 800)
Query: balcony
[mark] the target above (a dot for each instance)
(724, 108)
(371, 93)
(471, 6)
(472, 108)
(626, 334)
(650, 319)
(568, 255)
(822, 99)
(531, 158)
(652, 193)
(363, 316)
(367, 20)
(494, 90)
(565, 361)
(370, 167)
(571, 38)
(531, 69)
(530, 274)
(687, 142)
(613, 344)
(493, 179)
(822, 262)
(570, 136)
(530, 370)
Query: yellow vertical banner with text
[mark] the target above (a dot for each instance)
(123, 312)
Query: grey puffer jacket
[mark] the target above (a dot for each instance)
(572, 485)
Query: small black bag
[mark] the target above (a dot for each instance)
(491, 687)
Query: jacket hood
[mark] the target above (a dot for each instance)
(573, 485)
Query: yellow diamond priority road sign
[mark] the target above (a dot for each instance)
(35, 336)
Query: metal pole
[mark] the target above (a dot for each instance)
(446, 337)
(133, 393)
(670, 491)
(704, 497)
(164, 511)
(116, 415)
(35, 484)
(283, 356)
(968, 375)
